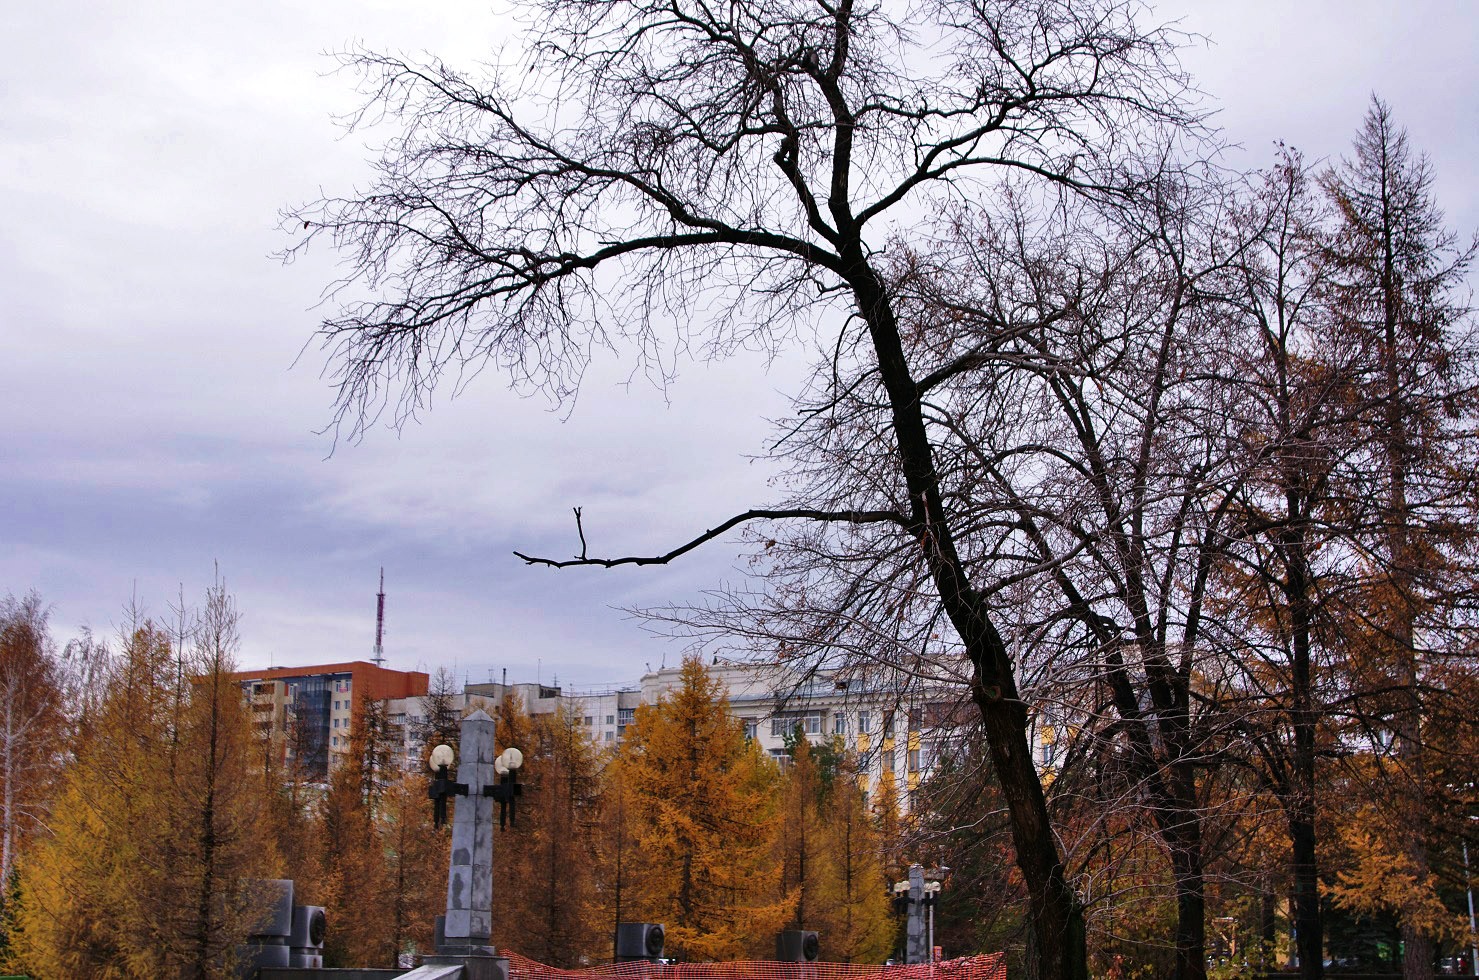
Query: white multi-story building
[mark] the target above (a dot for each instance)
(896, 735)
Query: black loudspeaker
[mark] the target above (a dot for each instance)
(307, 942)
(797, 946)
(638, 941)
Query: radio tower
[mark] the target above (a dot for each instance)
(379, 657)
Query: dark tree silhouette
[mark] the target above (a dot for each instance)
(740, 173)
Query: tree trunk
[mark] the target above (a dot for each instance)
(1309, 929)
(1056, 919)
(1184, 840)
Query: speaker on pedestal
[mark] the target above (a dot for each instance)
(797, 946)
(638, 941)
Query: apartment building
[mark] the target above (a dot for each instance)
(306, 712)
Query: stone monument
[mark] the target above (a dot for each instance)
(483, 779)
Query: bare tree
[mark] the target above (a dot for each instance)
(1081, 429)
(31, 723)
(440, 721)
(657, 159)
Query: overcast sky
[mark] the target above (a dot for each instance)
(155, 423)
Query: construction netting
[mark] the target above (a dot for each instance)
(992, 966)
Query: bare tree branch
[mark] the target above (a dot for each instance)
(845, 517)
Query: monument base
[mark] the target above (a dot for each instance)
(475, 965)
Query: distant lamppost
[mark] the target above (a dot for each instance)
(1469, 888)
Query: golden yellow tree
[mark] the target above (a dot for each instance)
(849, 905)
(700, 809)
(156, 833)
(354, 880)
(415, 861)
(563, 928)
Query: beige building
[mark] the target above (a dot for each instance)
(896, 736)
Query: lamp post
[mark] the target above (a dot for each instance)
(1469, 888)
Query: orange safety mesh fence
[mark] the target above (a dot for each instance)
(991, 966)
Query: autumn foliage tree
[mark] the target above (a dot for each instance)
(1399, 286)
(700, 807)
(357, 873)
(156, 832)
(843, 891)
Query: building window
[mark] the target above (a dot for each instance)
(610, 736)
(915, 718)
(839, 724)
(865, 722)
(782, 758)
(588, 720)
(888, 724)
(336, 741)
(809, 723)
(888, 761)
(336, 722)
(625, 716)
(610, 719)
(913, 762)
(752, 729)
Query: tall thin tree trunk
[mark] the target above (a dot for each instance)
(1300, 807)
(1056, 918)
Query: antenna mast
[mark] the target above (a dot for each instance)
(379, 657)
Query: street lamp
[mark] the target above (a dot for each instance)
(1469, 888)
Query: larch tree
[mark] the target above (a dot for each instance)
(1399, 286)
(563, 927)
(701, 811)
(354, 880)
(849, 895)
(156, 832)
(799, 831)
(32, 724)
(1292, 370)
(415, 856)
(761, 160)
(217, 806)
(85, 908)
